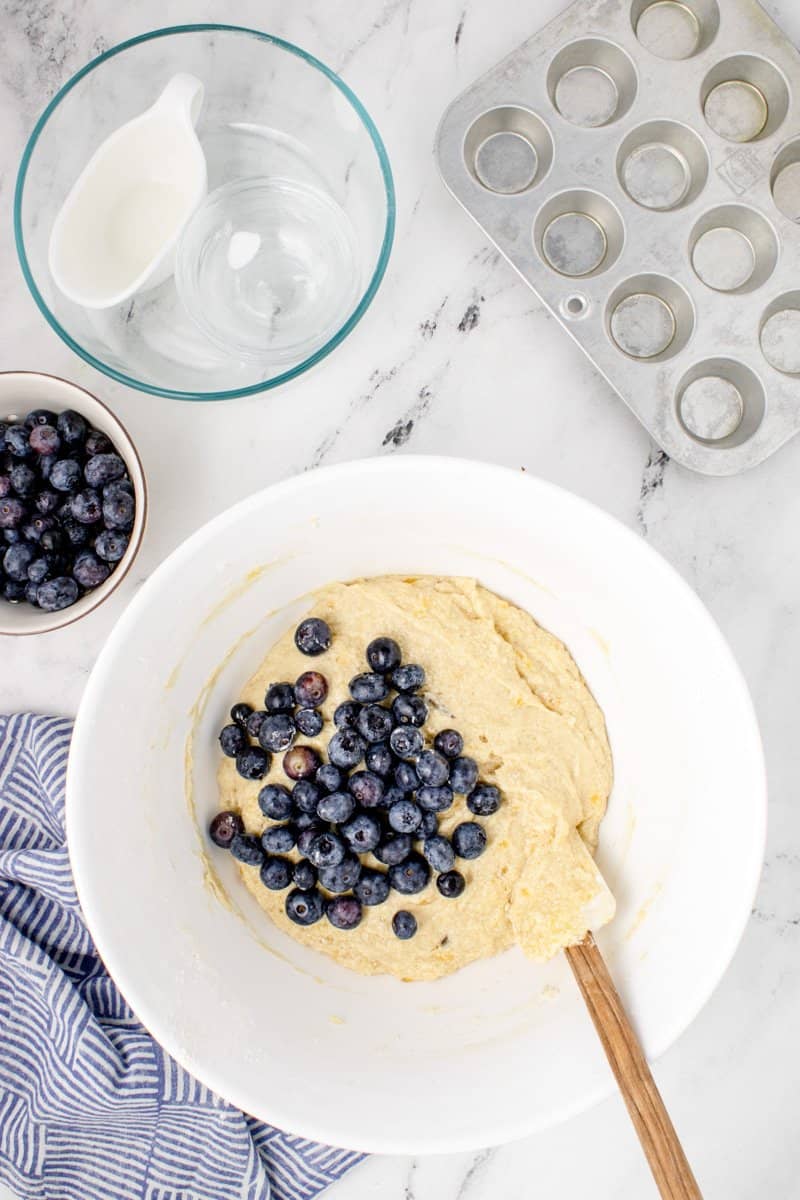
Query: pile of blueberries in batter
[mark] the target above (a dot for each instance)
(376, 793)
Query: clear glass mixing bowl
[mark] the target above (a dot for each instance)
(271, 112)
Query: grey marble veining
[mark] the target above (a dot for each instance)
(456, 356)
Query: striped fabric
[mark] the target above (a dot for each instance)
(90, 1107)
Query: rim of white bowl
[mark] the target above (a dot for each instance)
(717, 960)
(367, 296)
(123, 442)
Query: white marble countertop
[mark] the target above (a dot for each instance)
(457, 356)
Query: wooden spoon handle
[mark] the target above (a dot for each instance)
(671, 1171)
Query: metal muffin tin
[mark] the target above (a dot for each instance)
(638, 162)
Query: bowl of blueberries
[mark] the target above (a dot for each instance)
(73, 502)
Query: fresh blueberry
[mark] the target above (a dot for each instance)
(410, 876)
(449, 742)
(240, 713)
(89, 570)
(369, 688)
(393, 850)
(408, 678)
(336, 807)
(329, 778)
(374, 723)
(12, 512)
(435, 799)
(346, 715)
(367, 788)
(276, 873)
(40, 416)
(16, 561)
(310, 689)
(344, 912)
(362, 833)
(405, 777)
(275, 802)
(404, 924)
(247, 849)
(304, 821)
(44, 439)
(23, 480)
(433, 768)
(38, 571)
(404, 816)
(118, 505)
(379, 759)
(77, 534)
(110, 545)
(301, 762)
(277, 732)
(233, 740)
(17, 442)
(439, 853)
(305, 796)
(97, 443)
(305, 837)
(327, 850)
(224, 828)
(469, 839)
(305, 906)
(46, 462)
(383, 654)
(428, 825)
(484, 800)
(279, 698)
(103, 468)
(254, 723)
(278, 839)
(252, 763)
(304, 875)
(346, 748)
(391, 795)
(342, 877)
(55, 594)
(14, 591)
(463, 775)
(309, 721)
(47, 501)
(451, 884)
(51, 541)
(11, 536)
(312, 636)
(86, 506)
(406, 741)
(37, 526)
(5, 484)
(72, 427)
(65, 475)
(372, 888)
(409, 710)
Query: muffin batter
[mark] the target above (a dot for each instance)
(527, 717)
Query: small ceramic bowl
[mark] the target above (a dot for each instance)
(21, 391)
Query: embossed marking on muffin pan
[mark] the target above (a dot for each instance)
(638, 162)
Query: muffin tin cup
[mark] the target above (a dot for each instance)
(658, 215)
(675, 29)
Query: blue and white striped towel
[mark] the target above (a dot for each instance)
(91, 1108)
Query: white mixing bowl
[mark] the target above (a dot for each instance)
(504, 1047)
